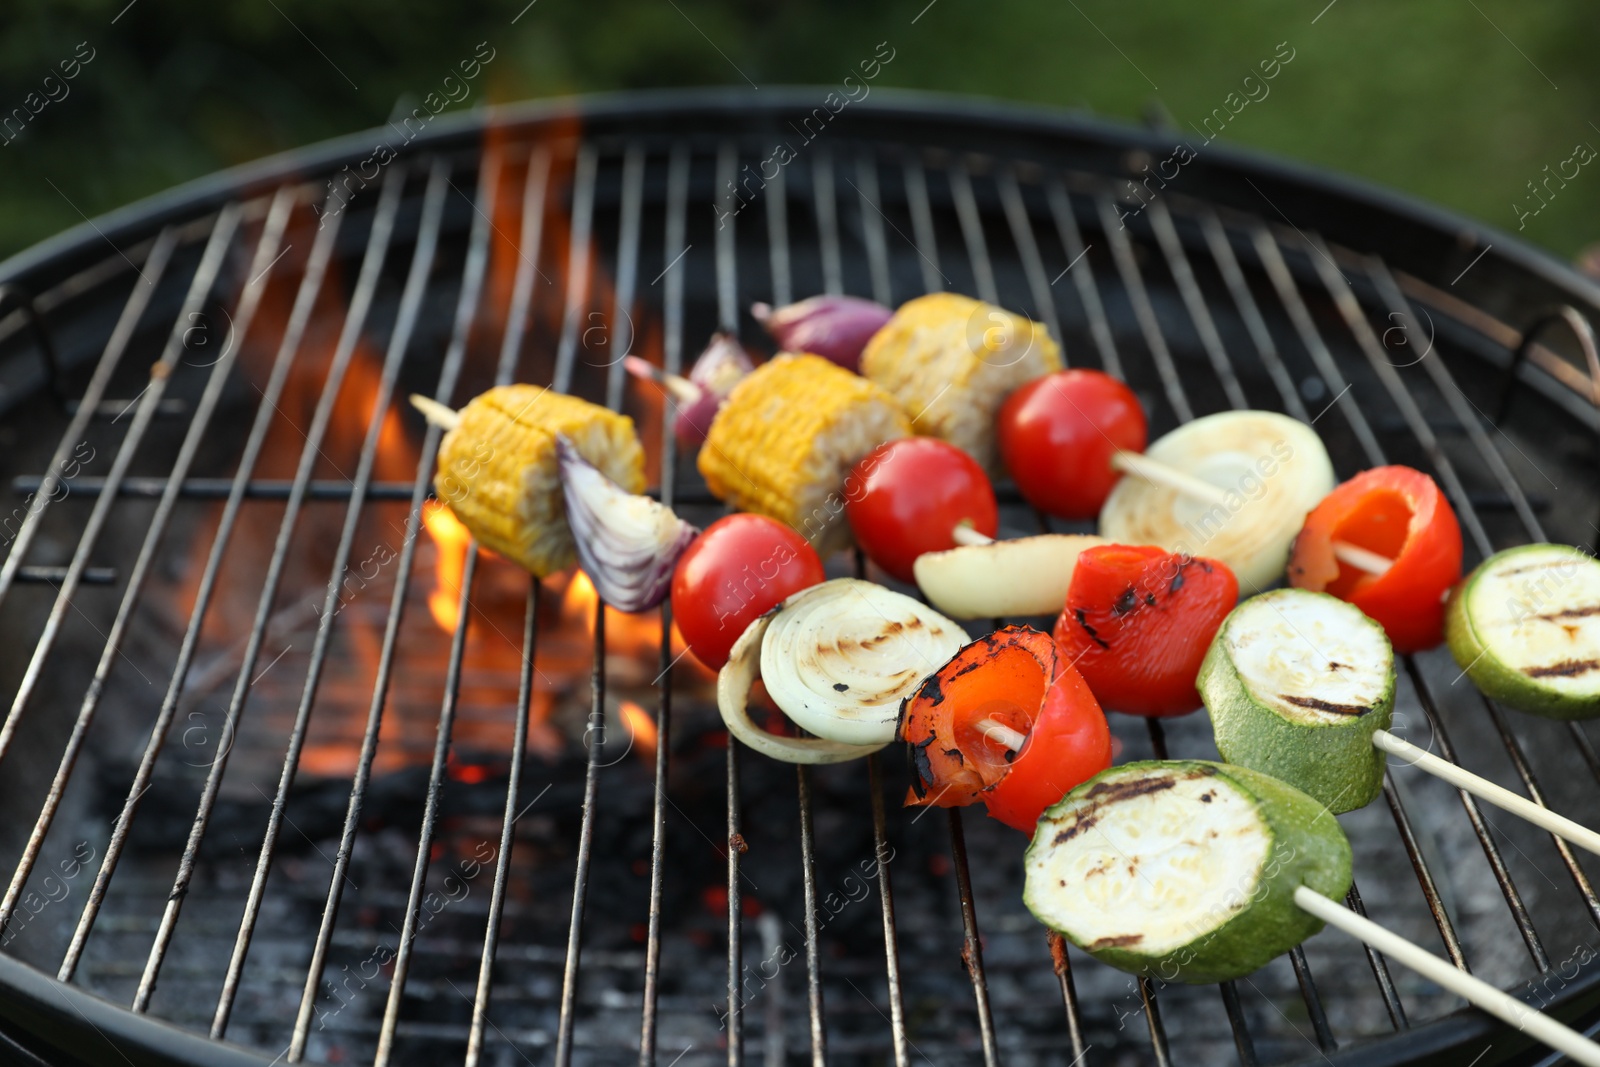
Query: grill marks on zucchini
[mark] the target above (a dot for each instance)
(1296, 683)
(1183, 870)
(1526, 626)
(1565, 669)
(1323, 705)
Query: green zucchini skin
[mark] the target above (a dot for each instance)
(1496, 679)
(1334, 762)
(1306, 847)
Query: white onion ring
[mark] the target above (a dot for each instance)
(841, 656)
(733, 696)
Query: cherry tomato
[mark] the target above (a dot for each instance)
(740, 567)
(1138, 622)
(907, 496)
(1057, 436)
(1400, 514)
(1016, 678)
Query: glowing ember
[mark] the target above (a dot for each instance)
(450, 540)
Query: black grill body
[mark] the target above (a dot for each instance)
(265, 803)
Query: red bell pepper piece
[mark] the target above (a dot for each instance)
(1013, 677)
(1399, 513)
(1138, 621)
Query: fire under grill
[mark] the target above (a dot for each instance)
(288, 766)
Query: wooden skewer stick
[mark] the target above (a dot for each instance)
(1153, 470)
(1142, 466)
(964, 534)
(682, 389)
(1001, 734)
(1474, 990)
(437, 414)
(1362, 559)
(1484, 789)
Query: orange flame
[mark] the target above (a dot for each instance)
(450, 540)
(643, 728)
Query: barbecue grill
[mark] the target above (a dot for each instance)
(293, 774)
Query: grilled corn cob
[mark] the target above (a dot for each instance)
(498, 469)
(952, 361)
(787, 437)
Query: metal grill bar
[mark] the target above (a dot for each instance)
(200, 287)
(1139, 297)
(972, 231)
(1178, 263)
(1016, 211)
(535, 186)
(1520, 761)
(578, 267)
(872, 227)
(1147, 989)
(971, 944)
(735, 1016)
(891, 949)
(399, 342)
(271, 237)
(673, 246)
(466, 311)
(1491, 849)
(1228, 264)
(728, 316)
(827, 206)
(1242, 1042)
(808, 870)
(727, 280)
(1380, 966)
(1078, 265)
(360, 304)
(305, 299)
(926, 238)
(110, 358)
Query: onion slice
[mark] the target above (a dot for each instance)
(627, 544)
(839, 657)
(734, 681)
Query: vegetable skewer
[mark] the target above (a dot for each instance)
(1300, 685)
(1201, 872)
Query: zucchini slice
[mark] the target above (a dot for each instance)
(1271, 470)
(1526, 627)
(1295, 683)
(1183, 870)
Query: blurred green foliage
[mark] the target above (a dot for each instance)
(1460, 101)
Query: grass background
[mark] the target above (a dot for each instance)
(1460, 101)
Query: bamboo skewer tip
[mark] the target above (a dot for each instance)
(437, 414)
(1474, 990)
(1485, 790)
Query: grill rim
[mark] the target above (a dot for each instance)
(196, 200)
(743, 111)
